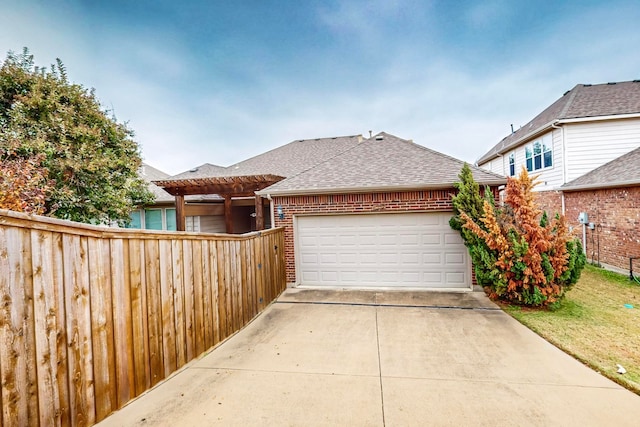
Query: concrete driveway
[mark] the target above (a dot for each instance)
(383, 359)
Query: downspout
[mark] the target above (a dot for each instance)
(271, 211)
(564, 160)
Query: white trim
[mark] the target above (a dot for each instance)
(600, 118)
(365, 190)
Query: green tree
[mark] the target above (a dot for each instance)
(469, 200)
(519, 254)
(87, 160)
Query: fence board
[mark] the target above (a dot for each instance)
(139, 316)
(189, 305)
(102, 327)
(154, 311)
(122, 330)
(178, 302)
(168, 314)
(91, 317)
(198, 299)
(50, 367)
(77, 306)
(17, 354)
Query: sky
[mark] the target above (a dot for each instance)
(221, 81)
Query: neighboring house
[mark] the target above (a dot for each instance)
(610, 196)
(587, 127)
(375, 216)
(162, 214)
(226, 195)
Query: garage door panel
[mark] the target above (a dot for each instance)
(389, 250)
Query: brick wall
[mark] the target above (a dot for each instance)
(616, 214)
(550, 201)
(411, 201)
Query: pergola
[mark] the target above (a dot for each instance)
(227, 187)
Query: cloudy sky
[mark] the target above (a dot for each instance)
(220, 81)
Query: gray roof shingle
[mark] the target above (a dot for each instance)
(584, 100)
(295, 157)
(383, 162)
(149, 173)
(206, 170)
(623, 171)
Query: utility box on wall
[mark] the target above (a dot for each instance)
(583, 218)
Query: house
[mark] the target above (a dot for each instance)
(162, 214)
(610, 196)
(376, 215)
(356, 212)
(587, 127)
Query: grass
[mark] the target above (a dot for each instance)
(593, 324)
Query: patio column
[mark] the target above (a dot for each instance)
(180, 220)
(228, 218)
(259, 213)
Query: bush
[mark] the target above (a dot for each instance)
(519, 255)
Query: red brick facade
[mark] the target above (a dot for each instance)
(410, 201)
(550, 201)
(616, 215)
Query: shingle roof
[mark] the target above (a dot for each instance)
(623, 171)
(609, 99)
(383, 162)
(295, 157)
(206, 170)
(149, 173)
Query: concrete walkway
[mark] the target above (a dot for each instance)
(383, 358)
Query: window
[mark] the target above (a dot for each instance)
(512, 164)
(136, 220)
(170, 219)
(153, 219)
(539, 155)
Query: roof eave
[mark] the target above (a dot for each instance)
(360, 190)
(601, 186)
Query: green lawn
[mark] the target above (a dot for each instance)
(593, 324)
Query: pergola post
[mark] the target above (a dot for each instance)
(259, 213)
(180, 219)
(228, 218)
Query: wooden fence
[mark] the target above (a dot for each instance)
(91, 317)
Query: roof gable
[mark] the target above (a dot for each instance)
(619, 172)
(583, 101)
(383, 162)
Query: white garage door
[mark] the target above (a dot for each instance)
(417, 250)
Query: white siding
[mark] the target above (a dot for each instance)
(590, 145)
(551, 178)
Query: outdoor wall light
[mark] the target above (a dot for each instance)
(280, 213)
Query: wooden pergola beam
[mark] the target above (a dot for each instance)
(228, 218)
(180, 216)
(259, 213)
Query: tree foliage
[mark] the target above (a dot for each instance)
(61, 154)
(519, 254)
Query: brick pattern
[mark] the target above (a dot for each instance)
(550, 201)
(616, 214)
(411, 201)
